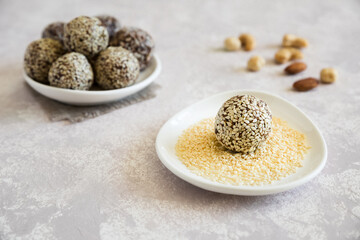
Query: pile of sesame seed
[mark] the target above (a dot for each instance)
(281, 155)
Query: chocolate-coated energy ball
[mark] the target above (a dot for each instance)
(39, 56)
(111, 24)
(137, 41)
(86, 35)
(71, 71)
(115, 68)
(243, 123)
(55, 31)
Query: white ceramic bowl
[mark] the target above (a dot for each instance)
(96, 97)
(313, 163)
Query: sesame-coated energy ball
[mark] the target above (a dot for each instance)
(55, 31)
(111, 24)
(86, 35)
(115, 68)
(39, 56)
(243, 123)
(71, 71)
(137, 41)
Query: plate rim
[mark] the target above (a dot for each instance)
(140, 84)
(239, 189)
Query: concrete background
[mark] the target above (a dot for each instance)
(102, 179)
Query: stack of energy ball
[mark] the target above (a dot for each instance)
(88, 50)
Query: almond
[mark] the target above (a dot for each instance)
(295, 68)
(306, 84)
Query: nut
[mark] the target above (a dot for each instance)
(255, 63)
(247, 42)
(232, 44)
(305, 84)
(296, 54)
(295, 68)
(291, 40)
(288, 54)
(328, 75)
(283, 55)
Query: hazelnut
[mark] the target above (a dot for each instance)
(248, 42)
(283, 55)
(288, 54)
(232, 44)
(291, 40)
(296, 54)
(328, 75)
(255, 63)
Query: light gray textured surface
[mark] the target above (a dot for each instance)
(101, 178)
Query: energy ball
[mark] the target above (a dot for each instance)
(111, 24)
(39, 56)
(71, 71)
(54, 31)
(243, 123)
(137, 41)
(86, 35)
(115, 68)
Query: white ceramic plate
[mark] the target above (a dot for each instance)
(313, 163)
(96, 97)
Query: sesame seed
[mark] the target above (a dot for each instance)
(280, 155)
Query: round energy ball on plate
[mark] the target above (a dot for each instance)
(71, 71)
(111, 24)
(39, 56)
(243, 123)
(55, 31)
(137, 41)
(115, 68)
(86, 35)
